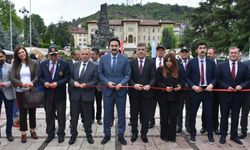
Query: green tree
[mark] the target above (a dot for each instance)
(15, 38)
(169, 39)
(2, 37)
(40, 27)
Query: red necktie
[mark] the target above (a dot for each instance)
(141, 67)
(160, 63)
(233, 70)
(202, 73)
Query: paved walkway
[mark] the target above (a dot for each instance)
(155, 143)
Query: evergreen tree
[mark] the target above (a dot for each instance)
(2, 37)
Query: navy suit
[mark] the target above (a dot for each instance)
(120, 74)
(193, 78)
(55, 99)
(231, 101)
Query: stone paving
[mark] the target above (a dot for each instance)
(155, 143)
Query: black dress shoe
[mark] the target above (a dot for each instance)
(133, 138)
(203, 130)
(72, 140)
(222, 140)
(99, 122)
(217, 132)
(151, 125)
(90, 139)
(243, 135)
(122, 140)
(192, 139)
(10, 138)
(129, 123)
(144, 138)
(179, 131)
(60, 139)
(105, 140)
(49, 139)
(236, 140)
(210, 140)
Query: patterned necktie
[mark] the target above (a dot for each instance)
(202, 73)
(52, 69)
(233, 70)
(83, 70)
(160, 63)
(114, 63)
(141, 67)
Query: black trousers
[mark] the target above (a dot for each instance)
(152, 109)
(98, 100)
(215, 113)
(50, 109)
(183, 99)
(168, 118)
(234, 106)
(140, 105)
(244, 113)
(23, 113)
(196, 99)
(77, 108)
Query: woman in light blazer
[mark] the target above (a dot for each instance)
(24, 75)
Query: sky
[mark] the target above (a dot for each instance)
(53, 11)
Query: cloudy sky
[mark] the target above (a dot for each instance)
(55, 10)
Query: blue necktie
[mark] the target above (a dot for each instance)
(1, 72)
(114, 63)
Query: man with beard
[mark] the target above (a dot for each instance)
(201, 77)
(114, 72)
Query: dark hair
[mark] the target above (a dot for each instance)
(33, 56)
(17, 61)
(96, 50)
(173, 70)
(3, 52)
(114, 39)
(200, 43)
(215, 50)
(141, 45)
(73, 53)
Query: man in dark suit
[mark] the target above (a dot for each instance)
(201, 77)
(212, 53)
(233, 75)
(158, 61)
(184, 95)
(114, 72)
(84, 74)
(54, 74)
(245, 110)
(142, 78)
(98, 94)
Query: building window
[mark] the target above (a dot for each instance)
(130, 29)
(130, 39)
(144, 37)
(80, 39)
(149, 38)
(153, 30)
(84, 40)
(134, 39)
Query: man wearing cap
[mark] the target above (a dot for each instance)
(184, 96)
(54, 73)
(158, 60)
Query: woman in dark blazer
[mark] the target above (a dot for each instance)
(169, 78)
(24, 75)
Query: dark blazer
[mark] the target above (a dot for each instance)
(121, 74)
(226, 80)
(62, 76)
(89, 78)
(193, 72)
(148, 76)
(15, 73)
(168, 81)
(71, 70)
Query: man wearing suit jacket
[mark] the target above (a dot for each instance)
(7, 94)
(212, 53)
(158, 61)
(245, 110)
(233, 75)
(114, 71)
(143, 76)
(54, 74)
(201, 77)
(83, 75)
(184, 95)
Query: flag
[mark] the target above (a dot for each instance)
(153, 49)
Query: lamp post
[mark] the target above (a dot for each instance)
(11, 43)
(25, 12)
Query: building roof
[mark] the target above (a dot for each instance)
(140, 21)
(79, 31)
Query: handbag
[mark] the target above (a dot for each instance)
(33, 98)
